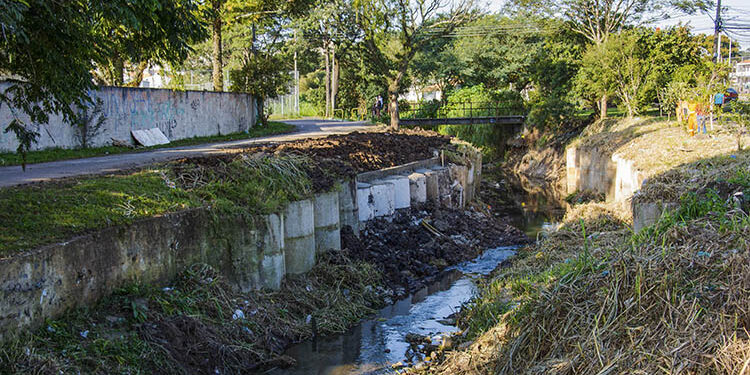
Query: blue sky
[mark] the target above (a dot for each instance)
(739, 10)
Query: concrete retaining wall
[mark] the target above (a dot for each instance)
(299, 237)
(253, 253)
(591, 169)
(50, 280)
(648, 213)
(178, 114)
(327, 222)
(617, 177)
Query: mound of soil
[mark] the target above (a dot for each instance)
(342, 156)
(411, 255)
(367, 151)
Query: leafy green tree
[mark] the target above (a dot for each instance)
(394, 31)
(499, 51)
(262, 76)
(140, 32)
(49, 50)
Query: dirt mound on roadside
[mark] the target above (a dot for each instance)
(366, 151)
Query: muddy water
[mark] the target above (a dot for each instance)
(376, 343)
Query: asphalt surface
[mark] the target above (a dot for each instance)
(306, 128)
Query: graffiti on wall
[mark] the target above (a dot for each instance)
(141, 110)
(177, 114)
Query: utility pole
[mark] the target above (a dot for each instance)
(730, 51)
(296, 78)
(717, 29)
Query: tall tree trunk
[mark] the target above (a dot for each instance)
(603, 107)
(118, 72)
(393, 99)
(136, 77)
(328, 80)
(334, 79)
(216, 57)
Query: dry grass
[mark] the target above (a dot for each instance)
(695, 176)
(593, 299)
(656, 146)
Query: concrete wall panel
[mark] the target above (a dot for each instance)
(327, 222)
(417, 188)
(299, 237)
(348, 208)
(178, 114)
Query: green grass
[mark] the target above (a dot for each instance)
(53, 154)
(32, 216)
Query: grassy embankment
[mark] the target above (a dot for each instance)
(11, 158)
(594, 297)
(35, 215)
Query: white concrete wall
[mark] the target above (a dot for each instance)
(178, 114)
(299, 237)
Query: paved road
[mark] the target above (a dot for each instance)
(307, 128)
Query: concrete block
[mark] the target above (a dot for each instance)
(459, 184)
(365, 204)
(571, 169)
(417, 188)
(348, 208)
(383, 198)
(299, 237)
(327, 229)
(401, 191)
(272, 267)
(444, 183)
(648, 213)
(431, 184)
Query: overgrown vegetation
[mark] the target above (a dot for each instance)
(594, 297)
(273, 128)
(40, 214)
(198, 325)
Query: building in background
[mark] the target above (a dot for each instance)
(740, 77)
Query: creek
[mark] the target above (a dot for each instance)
(378, 342)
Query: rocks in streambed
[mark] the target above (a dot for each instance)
(413, 247)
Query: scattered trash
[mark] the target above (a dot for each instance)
(238, 314)
(85, 334)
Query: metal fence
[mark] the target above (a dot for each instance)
(437, 110)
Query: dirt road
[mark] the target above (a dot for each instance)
(306, 128)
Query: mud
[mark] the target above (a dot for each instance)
(411, 256)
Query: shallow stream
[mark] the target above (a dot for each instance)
(377, 343)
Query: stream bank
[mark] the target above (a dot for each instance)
(592, 295)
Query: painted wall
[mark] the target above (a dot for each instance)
(179, 115)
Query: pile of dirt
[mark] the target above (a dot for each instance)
(366, 151)
(417, 244)
(337, 156)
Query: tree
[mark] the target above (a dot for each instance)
(215, 12)
(596, 20)
(140, 32)
(49, 49)
(499, 51)
(393, 31)
(263, 76)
